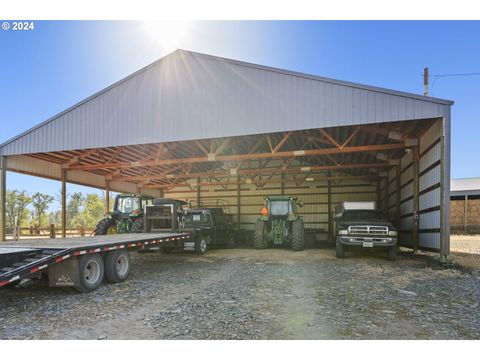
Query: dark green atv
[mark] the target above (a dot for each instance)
(127, 215)
(279, 224)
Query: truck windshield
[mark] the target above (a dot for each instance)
(196, 219)
(279, 207)
(361, 215)
(127, 204)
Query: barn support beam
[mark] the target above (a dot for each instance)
(239, 157)
(416, 217)
(239, 208)
(3, 196)
(330, 235)
(107, 196)
(465, 214)
(445, 188)
(63, 177)
(198, 193)
(398, 197)
(264, 170)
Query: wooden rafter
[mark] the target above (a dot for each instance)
(330, 138)
(203, 159)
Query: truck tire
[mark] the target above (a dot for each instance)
(339, 250)
(91, 271)
(230, 243)
(392, 253)
(104, 225)
(201, 245)
(298, 243)
(137, 226)
(259, 238)
(117, 266)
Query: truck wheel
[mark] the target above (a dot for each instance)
(117, 266)
(339, 250)
(259, 239)
(201, 245)
(230, 243)
(137, 226)
(298, 243)
(106, 226)
(91, 271)
(392, 253)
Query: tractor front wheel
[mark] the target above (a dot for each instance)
(106, 226)
(298, 243)
(260, 238)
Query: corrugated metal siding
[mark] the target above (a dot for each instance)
(189, 96)
(314, 195)
(429, 186)
(28, 165)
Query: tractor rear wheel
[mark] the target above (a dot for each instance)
(392, 253)
(260, 239)
(106, 226)
(137, 226)
(298, 243)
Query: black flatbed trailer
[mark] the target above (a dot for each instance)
(78, 261)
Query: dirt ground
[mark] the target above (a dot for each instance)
(248, 294)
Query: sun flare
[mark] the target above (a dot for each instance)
(170, 35)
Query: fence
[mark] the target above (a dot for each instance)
(51, 231)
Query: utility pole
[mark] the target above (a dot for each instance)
(425, 81)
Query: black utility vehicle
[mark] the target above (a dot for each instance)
(214, 223)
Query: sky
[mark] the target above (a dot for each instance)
(59, 63)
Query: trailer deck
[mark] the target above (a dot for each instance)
(20, 259)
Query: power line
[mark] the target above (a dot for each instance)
(439, 76)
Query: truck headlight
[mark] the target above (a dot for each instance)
(343, 232)
(392, 233)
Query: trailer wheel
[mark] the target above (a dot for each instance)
(106, 226)
(339, 250)
(201, 245)
(117, 266)
(259, 238)
(392, 253)
(298, 243)
(91, 271)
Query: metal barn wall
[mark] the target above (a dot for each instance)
(314, 195)
(187, 96)
(430, 187)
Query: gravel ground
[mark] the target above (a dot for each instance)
(248, 294)
(465, 243)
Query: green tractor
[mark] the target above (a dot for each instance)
(127, 215)
(280, 224)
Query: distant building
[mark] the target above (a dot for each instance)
(465, 205)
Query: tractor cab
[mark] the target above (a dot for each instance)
(131, 204)
(280, 206)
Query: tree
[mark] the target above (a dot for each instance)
(93, 210)
(73, 209)
(40, 203)
(16, 207)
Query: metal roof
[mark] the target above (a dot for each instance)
(462, 187)
(187, 96)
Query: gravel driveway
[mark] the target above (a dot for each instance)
(248, 294)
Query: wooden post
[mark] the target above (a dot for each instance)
(415, 229)
(52, 231)
(398, 195)
(82, 231)
(198, 193)
(64, 202)
(465, 214)
(107, 196)
(329, 210)
(3, 196)
(238, 203)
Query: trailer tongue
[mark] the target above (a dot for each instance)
(81, 262)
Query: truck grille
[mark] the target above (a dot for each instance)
(368, 230)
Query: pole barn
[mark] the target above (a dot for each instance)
(204, 128)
